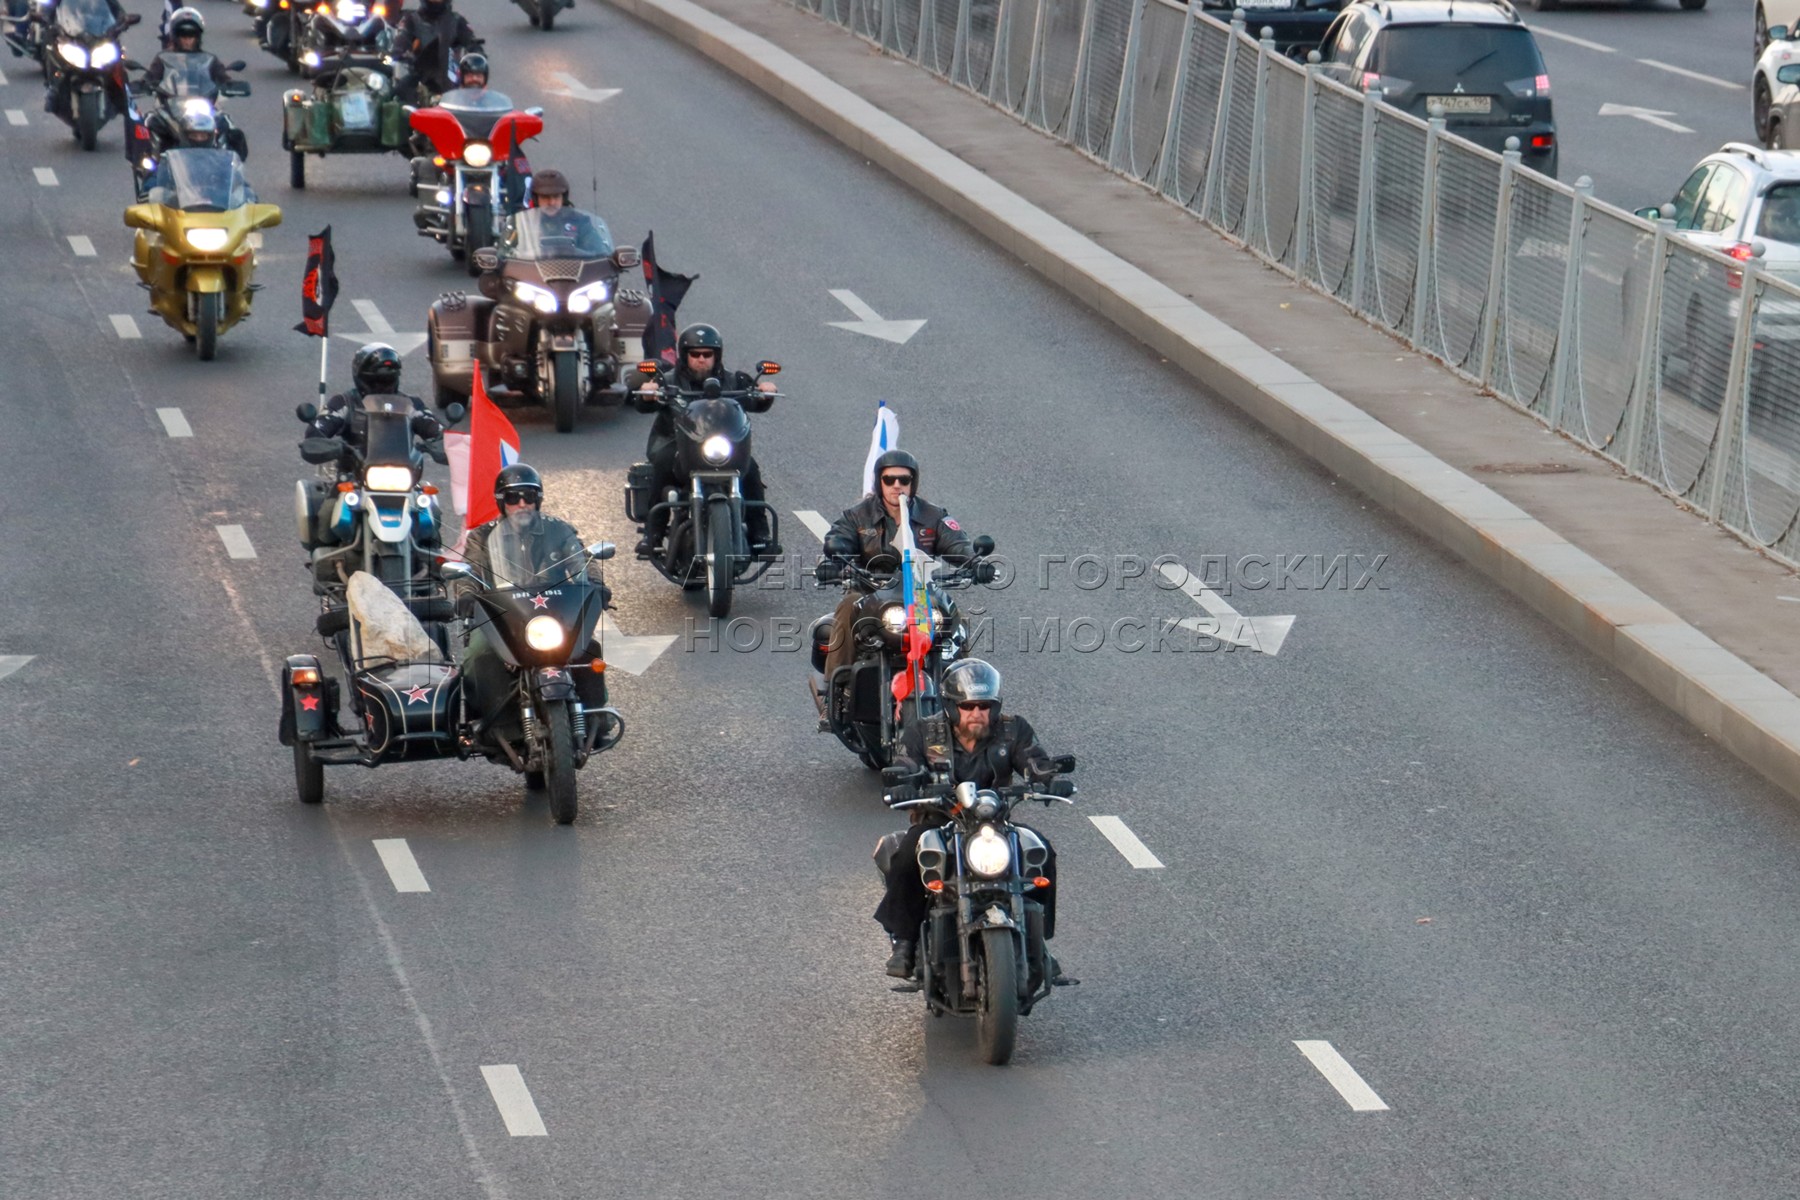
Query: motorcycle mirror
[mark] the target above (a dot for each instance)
(768, 367)
(486, 259)
(455, 412)
(1064, 763)
(235, 89)
(458, 569)
(308, 412)
(132, 18)
(141, 216)
(535, 110)
(239, 65)
(984, 546)
(602, 550)
(884, 564)
(713, 388)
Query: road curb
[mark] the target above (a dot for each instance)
(1753, 716)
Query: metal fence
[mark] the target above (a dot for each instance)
(1672, 361)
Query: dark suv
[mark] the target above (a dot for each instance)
(1476, 59)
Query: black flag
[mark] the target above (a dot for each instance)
(666, 290)
(319, 286)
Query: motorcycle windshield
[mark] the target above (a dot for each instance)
(187, 75)
(477, 109)
(389, 437)
(537, 235)
(532, 552)
(197, 180)
(85, 18)
(718, 416)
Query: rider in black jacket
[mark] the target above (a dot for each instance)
(428, 36)
(375, 371)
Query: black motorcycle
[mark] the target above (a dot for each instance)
(543, 12)
(703, 543)
(186, 94)
(981, 950)
(857, 703)
(85, 68)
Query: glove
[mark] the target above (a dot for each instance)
(465, 605)
(985, 572)
(829, 571)
(900, 792)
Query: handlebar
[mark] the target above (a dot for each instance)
(943, 795)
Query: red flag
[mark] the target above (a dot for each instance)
(319, 286)
(477, 456)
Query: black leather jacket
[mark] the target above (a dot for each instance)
(662, 430)
(1011, 747)
(343, 417)
(866, 531)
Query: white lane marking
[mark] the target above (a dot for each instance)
(15, 116)
(381, 328)
(1342, 1076)
(124, 326)
(870, 322)
(1572, 39)
(1672, 69)
(576, 90)
(371, 316)
(176, 424)
(1262, 634)
(82, 245)
(401, 866)
(2, 76)
(813, 521)
(1126, 842)
(12, 662)
(1650, 116)
(45, 176)
(513, 1099)
(632, 653)
(237, 542)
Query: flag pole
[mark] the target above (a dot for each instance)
(324, 346)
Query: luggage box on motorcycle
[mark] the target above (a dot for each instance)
(409, 709)
(638, 501)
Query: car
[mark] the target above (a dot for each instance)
(1775, 90)
(1769, 14)
(1475, 59)
(1296, 25)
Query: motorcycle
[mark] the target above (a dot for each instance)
(856, 704)
(703, 543)
(981, 950)
(84, 67)
(185, 93)
(550, 323)
(477, 177)
(354, 104)
(191, 249)
(543, 12)
(369, 508)
(277, 27)
(327, 31)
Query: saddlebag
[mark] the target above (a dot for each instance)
(311, 496)
(638, 502)
(409, 709)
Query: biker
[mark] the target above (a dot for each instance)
(375, 371)
(186, 35)
(986, 749)
(699, 356)
(552, 216)
(435, 30)
(871, 529)
(473, 72)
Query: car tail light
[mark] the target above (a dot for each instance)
(1743, 253)
(1542, 141)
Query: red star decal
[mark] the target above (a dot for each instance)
(417, 695)
(540, 602)
(309, 703)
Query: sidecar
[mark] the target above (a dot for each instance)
(347, 111)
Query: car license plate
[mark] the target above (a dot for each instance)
(1264, 4)
(1462, 104)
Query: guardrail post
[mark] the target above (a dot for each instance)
(1256, 210)
(1083, 54)
(1425, 260)
(1034, 73)
(1492, 316)
(997, 62)
(1649, 366)
(1365, 200)
(1737, 382)
(1120, 136)
(1568, 357)
(1303, 216)
(888, 35)
(1168, 158)
(1221, 119)
(959, 45)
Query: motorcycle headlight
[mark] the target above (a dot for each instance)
(543, 633)
(104, 55)
(893, 618)
(208, 239)
(987, 853)
(388, 479)
(542, 299)
(442, 196)
(74, 55)
(584, 299)
(194, 106)
(478, 154)
(311, 58)
(716, 449)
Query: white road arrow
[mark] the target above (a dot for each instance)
(576, 90)
(869, 321)
(1649, 116)
(12, 662)
(1261, 634)
(379, 327)
(632, 655)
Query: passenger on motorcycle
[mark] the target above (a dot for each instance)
(871, 530)
(986, 749)
(699, 356)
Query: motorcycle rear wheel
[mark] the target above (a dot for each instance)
(559, 760)
(209, 308)
(297, 170)
(997, 1023)
(720, 560)
(565, 389)
(309, 774)
(87, 119)
(547, 16)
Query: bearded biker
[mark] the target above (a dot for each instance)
(985, 748)
(699, 356)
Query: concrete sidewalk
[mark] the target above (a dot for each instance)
(1684, 572)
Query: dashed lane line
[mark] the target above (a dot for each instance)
(513, 1099)
(401, 866)
(176, 424)
(813, 521)
(1573, 40)
(45, 176)
(12, 662)
(1342, 1076)
(15, 116)
(125, 326)
(1672, 69)
(2, 77)
(237, 542)
(1127, 843)
(82, 245)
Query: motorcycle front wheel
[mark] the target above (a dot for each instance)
(309, 774)
(559, 760)
(565, 389)
(87, 119)
(547, 16)
(720, 560)
(997, 1023)
(209, 308)
(481, 233)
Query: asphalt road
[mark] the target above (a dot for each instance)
(1546, 922)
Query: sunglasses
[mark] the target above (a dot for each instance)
(975, 706)
(896, 481)
(703, 354)
(520, 496)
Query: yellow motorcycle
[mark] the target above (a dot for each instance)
(192, 250)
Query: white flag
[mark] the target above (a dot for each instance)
(886, 437)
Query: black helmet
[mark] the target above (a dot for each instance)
(549, 183)
(903, 460)
(699, 337)
(968, 681)
(186, 22)
(518, 478)
(376, 368)
(473, 64)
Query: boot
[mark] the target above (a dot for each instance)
(900, 963)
